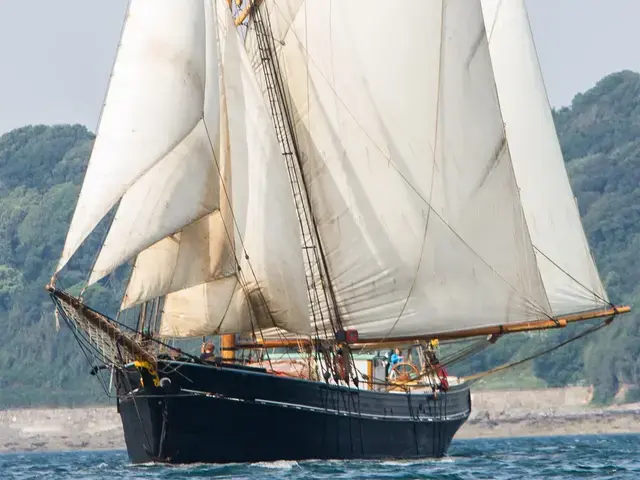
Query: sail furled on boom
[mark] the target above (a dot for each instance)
(566, 265)
(406, 162)
(212, 222)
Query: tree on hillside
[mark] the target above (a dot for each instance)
(41, 168)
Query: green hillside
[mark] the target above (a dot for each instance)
(41, 168)
(600, 138)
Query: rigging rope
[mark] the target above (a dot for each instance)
(599, 297)
(477, 376)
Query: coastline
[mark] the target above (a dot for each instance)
(496, 413)
(553, 422)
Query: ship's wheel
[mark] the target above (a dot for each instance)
(403, 371)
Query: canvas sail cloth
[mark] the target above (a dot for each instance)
(568, 271)
(406, 163)
(192, 157)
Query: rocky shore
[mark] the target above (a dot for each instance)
(495, 414)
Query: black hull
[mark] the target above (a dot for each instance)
(225, 414)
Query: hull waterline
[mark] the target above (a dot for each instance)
(225, 414)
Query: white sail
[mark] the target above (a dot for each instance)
(205, 292)
(406, 162)
(215, 307)
(199, 253)
(184, 186)
(568, 271)
(155, 100)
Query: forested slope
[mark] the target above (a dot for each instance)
(41, 168)
(600, 138)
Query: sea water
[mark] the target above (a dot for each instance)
(609, 456)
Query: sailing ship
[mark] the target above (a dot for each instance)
(313, 183)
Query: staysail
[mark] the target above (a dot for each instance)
(154, 102)
(211, 217)
(563, 256)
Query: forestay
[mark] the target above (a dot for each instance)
(568, 271)
(406, 163)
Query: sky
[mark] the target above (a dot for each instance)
(56, 56)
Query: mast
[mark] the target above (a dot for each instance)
(321, 295)
(227, 346)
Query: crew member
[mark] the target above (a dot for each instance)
(207, 352)
(341, 365)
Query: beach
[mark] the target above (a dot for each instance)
(546, 412)
(495, 413)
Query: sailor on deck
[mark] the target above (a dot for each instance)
(396, 357)
(207, 352)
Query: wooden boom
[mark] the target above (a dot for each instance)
(545, 324)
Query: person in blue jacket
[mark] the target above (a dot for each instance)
(396, 357)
